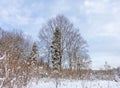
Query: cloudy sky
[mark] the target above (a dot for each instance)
(98, 20)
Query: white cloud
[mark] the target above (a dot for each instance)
(94, 7)
(103, 17)
(13, 13)
(17, 12)
(60, 7)
(111, 29)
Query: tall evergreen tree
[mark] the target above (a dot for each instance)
(33, 55)
(56, 51)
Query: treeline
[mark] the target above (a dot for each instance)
(21, 58)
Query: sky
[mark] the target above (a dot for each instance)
(98, 21)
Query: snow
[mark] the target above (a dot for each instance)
(1, 58)
(50, 83)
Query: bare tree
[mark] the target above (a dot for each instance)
(33, 58)
(72, 44)
(14, 45)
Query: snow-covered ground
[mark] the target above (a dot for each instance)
(50, 83)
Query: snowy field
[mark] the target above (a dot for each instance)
(47, 83)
